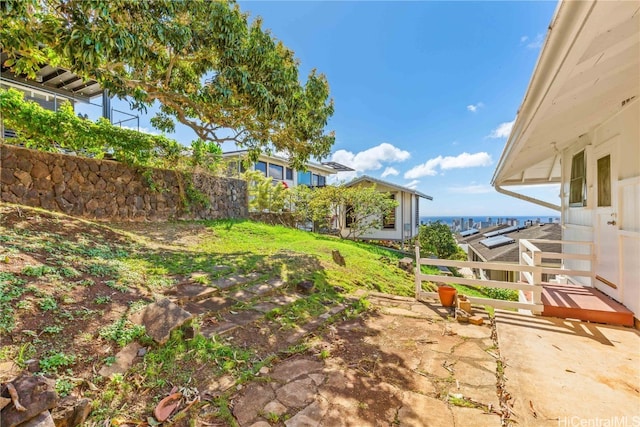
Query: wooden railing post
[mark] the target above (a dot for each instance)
(418, 270)
(537, 278)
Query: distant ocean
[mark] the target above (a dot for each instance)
(449, 220)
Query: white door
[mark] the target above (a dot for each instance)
(606, 238)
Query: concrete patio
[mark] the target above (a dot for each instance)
(570, 373)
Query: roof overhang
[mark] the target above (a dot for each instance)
(588, 70)
(243, 154)
(366, 178)
(54, 80)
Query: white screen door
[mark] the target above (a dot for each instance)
(606, 236)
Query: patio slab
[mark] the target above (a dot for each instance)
(564, 372)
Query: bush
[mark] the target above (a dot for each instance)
(62, 130)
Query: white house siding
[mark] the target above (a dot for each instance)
(580, 222)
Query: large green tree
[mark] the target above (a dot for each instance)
(207, 65)
(437, 239)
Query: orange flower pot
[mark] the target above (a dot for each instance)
(447, 295)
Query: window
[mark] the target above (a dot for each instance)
(322, 181)
(314, 180)
(604, 181)
(262, 167)
(577, 185)
(389, 219)
(304, 178)
(276, 171)
(289, 174)
(350, 214)
(417, 223)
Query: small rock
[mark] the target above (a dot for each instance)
(264, 370)
(305, 286)
(44, 419)
(124, 360)
(476, 320)
(160, 318)
(338, 258)
(33, 365)
(71, 412)
(275, 407)
(8, 371)
(142, 351)
(4, 401)
(188, 332)
(36, 393)
(406, 264)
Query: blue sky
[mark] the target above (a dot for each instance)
(424, 92)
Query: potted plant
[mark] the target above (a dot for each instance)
(447, 295)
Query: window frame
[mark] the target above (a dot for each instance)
(578, 180)
(304, 174)
(271, 167)
(266, 167)
(386, 218)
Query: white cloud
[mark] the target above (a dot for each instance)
(472, 189)
(389, 171)
(461, 161)
(535, 43)
(372, 158)
(503, 130)
(475, 107)
(142, 130)
(413, 184)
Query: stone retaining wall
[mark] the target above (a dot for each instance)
(110, 190)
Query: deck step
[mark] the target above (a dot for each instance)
(583, 303)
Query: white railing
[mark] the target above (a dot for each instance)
(531, 269)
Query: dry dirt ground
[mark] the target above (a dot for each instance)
(398, 363)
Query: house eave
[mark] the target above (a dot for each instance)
(587, 72)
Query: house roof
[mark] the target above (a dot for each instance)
(480, 234)
(366, 178)
(510, 252)
(56, 80)
(588, 70)
(321, 167)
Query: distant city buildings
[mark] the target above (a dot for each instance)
(461, 224)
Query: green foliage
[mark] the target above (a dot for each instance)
(206, 154)
(265, 194)
(122, 331)
(38, 271)
(64, 387)
(203, 61)
(55, 361)
(11, 288)
(437, 239)
(47, 304)
(54, 131)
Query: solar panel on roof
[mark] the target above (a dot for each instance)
(504, 231)
(469, 232)
(494, 242)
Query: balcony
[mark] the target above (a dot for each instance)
(556, 298)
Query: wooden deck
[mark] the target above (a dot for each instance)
(582, 303)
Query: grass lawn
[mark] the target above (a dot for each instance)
(68, 286)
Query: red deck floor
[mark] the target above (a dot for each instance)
(582, 303)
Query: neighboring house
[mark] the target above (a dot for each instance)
(51, 87)
(278, 169)
(404, 222)
(578, 126)
(501, 244)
